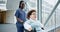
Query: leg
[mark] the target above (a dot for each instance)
(20, 28)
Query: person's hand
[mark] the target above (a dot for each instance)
(42, 28)
(21, 22)
(30, 29)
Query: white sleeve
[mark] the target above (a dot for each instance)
(27, 26)
(40, 24)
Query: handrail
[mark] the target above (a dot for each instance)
(52, 12)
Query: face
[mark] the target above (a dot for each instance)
(22, 5)
(33, 16)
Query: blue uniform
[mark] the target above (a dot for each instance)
(21, 15)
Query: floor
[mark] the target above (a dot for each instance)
(12, 28)
(8, 28)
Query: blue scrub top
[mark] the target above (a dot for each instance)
(20, 14)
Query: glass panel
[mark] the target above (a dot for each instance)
(3, 1)
(3, 4)
(31, 4)
(47, 8)
(58, 15)
(58, 19)
(44, 17)
(56, 22)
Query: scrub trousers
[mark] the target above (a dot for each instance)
(20, 27)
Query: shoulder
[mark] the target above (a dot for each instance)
(18, 9)
(38, 21)
(27, 21)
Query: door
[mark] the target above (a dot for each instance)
(2, 17)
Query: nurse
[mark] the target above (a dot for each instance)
(20, 17)
(32, 23)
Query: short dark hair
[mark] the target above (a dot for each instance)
(29, 13)
(20, 4)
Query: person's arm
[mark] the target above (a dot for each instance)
(42, 27)
(27, 26)
(17, 16)
(21, 21)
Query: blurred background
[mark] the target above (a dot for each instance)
(48, 13)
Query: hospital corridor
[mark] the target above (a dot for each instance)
(48, 13)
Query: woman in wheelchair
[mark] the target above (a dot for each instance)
(32, 24)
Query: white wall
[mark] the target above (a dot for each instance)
(12, 5)
(10, 17)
